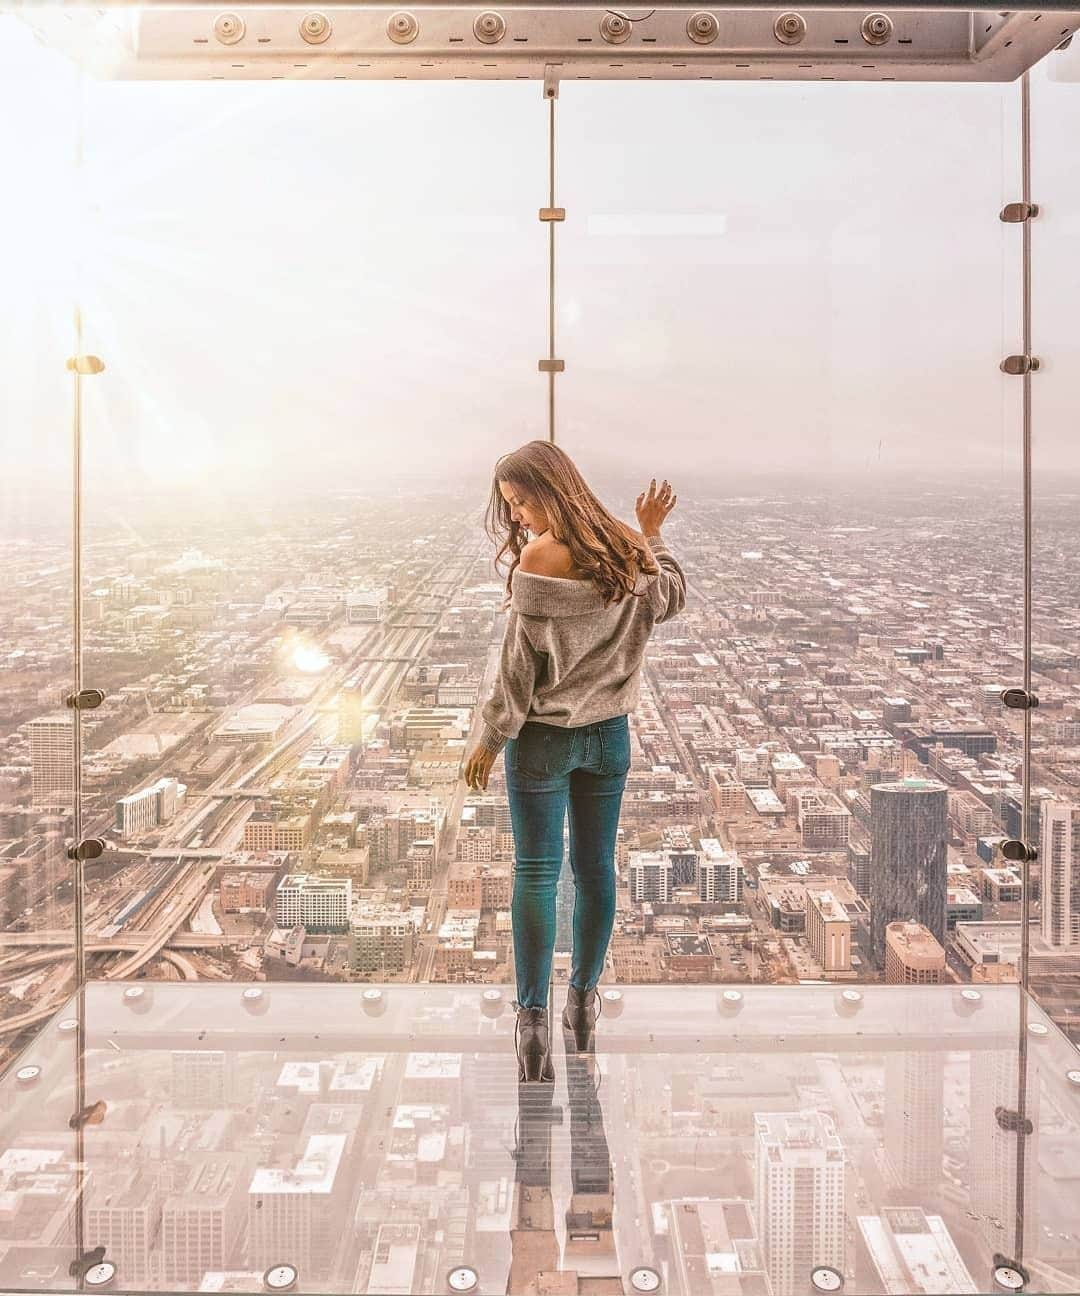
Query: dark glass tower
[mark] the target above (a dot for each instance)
(909, 834)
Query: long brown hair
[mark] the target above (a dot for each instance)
(607, 550)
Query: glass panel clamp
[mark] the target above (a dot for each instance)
(1019, 699)
(1010, 1121)
(1019, 364)
(85, 699)
(86, 364)
(1020, 852)
(92, 1114)
(89, 848)
(1015, 213)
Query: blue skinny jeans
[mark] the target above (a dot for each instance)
(550, 771)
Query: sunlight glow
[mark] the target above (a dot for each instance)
(309, 659)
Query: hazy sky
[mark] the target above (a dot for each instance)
(310, 281)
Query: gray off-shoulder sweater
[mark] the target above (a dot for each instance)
(569, 660)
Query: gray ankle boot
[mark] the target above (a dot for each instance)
(579, 1016)
(533, 1047)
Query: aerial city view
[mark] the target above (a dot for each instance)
(822, 774)
(266, 337)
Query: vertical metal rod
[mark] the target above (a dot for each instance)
(1025, 234)
(79, 880)
(1028, 835)
(551, 269)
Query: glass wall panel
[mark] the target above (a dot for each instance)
(40, 1165)
(1055, 803)
(376, 1137)
(39, 250)
(791, 301)
(322, 306)
(1052, 1243)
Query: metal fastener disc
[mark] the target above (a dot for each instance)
(315, 28)
(876, 28)
(402, 28)
(615, 28)
(702, 28)
(789, 28)
(489, 27)
(280, 1277)
(101, 1274)
(229, 28)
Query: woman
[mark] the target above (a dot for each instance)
(584, 594)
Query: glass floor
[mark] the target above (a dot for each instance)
(763, 1142)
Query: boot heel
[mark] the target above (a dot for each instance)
(533, 1048)
(578, 1019)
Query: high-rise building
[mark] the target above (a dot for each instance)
(381, 941)
(912, 955)
(1060, 855)
(650, 876)
(298, 1213)
(52, 759)
(720, 874)
(915, 1116)
(800, 1196)
(202, 1078)
(909, 833)
(315, 903)
(123, 1214)
(200, 1226)
(994, 1154)
(828, 931)
(824, 821)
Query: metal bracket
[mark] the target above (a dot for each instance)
(1010, 1121)
(1017, 212)
(553, 213)
(1019, 699)
(86, 700)
(92, 1114)
(86, 364)
(552, 366)
(1020, 852)
(1009, 1275)
(1019, 364)
(89, 848)
(78, 1268)
(551, 82)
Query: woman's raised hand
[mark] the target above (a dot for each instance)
(653, 506)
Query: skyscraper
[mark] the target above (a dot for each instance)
(800, 1196)
(52, 758)
(1060, 855)
(909, 833)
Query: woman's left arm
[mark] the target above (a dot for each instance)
(520, 666)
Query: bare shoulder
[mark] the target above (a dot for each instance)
(545, 556)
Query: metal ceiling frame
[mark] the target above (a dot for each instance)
(516, 40)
